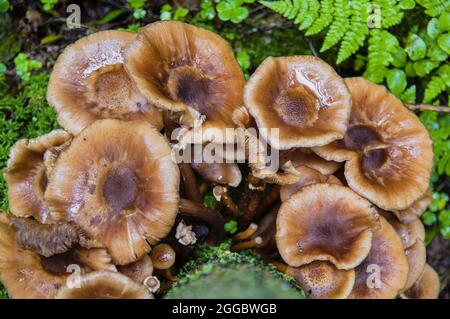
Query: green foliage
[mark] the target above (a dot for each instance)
(24, 66)
(231, 227)
(209, 200)
(437, 218)
(167, 13)
(48, 5)
(4, 5)
(207, 11)
(216, 272)
(233, 10)
(138, 8)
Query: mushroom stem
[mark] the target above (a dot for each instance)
(246, 233)
(209, 216)
(190, 182)
(169, 125)
(258, 241)
(203, 188)
(427, 107)
(222, 193)
(152, 283)
(268, 200)
(281, 267)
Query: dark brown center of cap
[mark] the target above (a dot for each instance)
(120, 189)
(186, 84)
(364, 140)
(57, 264)
(298, 106)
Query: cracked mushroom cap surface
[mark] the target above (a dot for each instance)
(118, 183)
(307, 176)
(26, 174)
(187, 69)
(427, 287)
(89, 82)
(385, 270)
(105, 285)
(322, 280)
(25, 274)
(325, 222)
(388, 150)
(303, 97)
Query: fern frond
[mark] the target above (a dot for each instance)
(381, 43)
(302, 12)
(356, 35)
(325, 18)
(287, 8)
(391, 14)
(435, 8)
(340, 24)
(438, 84)
(311, 14)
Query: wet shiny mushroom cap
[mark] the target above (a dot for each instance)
(105, 285)
(118, 183)
(26, 174)
(89, 82)
(388, 150)
(322, 280)
(427, 287)
(385, 270)
(220, 173)
(303, 97)
(325, 222)
(183, 68)
(409, 233)
(25, 274)
(139, 270)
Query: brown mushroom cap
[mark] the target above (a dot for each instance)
(417, 257)
(24, 273)
(139, 270)
(427, 287)
(387, 254)
(202, 74)
(26, 176)
(118, 183)
(409, 233)
(303, 97)
(163, 256)
(416, 209)
(307, 176)
(388, 150)
(220, 173)
(89, 82)
(305, 157)
(325, 222)
(105, 285)
(322, 280)
(95, 258)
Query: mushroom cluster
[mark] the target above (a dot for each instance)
(102, 208)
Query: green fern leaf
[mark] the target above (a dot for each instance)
(311, 14)
(391, 14)
(438, 84)
(302, 12)
(339, 26)
(325, 18)
(357, 33)
(435, 8)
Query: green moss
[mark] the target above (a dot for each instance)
(216, 273)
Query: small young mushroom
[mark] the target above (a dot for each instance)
(118, 183)
(201, 79)
(388, 150)
(427, 287)
(89, 82)
(219, 173)
(308, 176)
(385, 270)
(139, 270)
(104, 285)
(417, 258)
(325, 222)
(414, 211)
(321, 279)
(301, 96)
(163, 258)
(26, 174)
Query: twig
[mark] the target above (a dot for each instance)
(428, 107)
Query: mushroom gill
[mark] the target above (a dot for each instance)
(89, 82)
(388, 150)
(301, 96)
(200, 79)
(26, 174)
(118, 183)
(325, 222)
